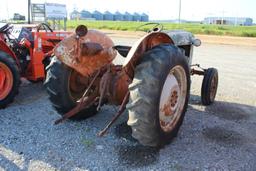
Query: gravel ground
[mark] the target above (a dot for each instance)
(218, 137)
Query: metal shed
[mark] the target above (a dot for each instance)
(144, 17)
(127, 16)
(118, 16)
(108, 16)
(85, 14)
(97, 15)
(136, 17)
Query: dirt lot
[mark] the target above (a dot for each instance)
(213, 39)
(218, 137)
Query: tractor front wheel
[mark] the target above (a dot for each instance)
(159, 95)
(209, 86)
(65, 86)
(9, 79)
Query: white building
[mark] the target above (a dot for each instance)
(242, 21)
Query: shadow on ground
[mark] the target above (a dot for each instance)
(134, 155)
(137, 155)
(224, 137)
(236, 113)
(226, 110)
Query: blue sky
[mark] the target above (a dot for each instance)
(157, 9)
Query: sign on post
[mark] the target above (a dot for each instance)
(38, 12)
(55, 11)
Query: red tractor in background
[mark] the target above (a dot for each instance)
(24, 55)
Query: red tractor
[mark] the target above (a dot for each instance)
(24, 55)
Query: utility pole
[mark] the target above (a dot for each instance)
(7, 8)
(236, 18)
(179, 11)
(222, 19)
(29, 5)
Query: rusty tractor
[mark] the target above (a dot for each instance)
(153, 83)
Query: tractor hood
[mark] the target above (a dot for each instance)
(181, 38)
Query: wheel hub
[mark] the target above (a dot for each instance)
(213, 88)
(77, 84)
(172, 98)
(6, 81)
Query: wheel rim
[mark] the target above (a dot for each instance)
(6, 81)
(77, 85)
(172, 99)
(213, 88)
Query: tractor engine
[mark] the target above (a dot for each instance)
(23, 53)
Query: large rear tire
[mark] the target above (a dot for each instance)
(10, 79)
(62, 96)
(161, 66)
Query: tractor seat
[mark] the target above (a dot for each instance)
(4, 28)
(26, 33)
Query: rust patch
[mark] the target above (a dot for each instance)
(86, 54)
(167, 110)
(120, 87)
(174, 98)
(114, 85)
(90, 49)
(163, 123)
(172, 101)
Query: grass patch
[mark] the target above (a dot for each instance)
(87, 143)
(244, 31)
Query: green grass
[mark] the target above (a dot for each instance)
(244, 31)
(87, 142)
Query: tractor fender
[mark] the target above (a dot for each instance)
(6, 49)
(144, 44)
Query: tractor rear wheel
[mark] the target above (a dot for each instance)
(9, 79)
(64, 87)
(159, 95)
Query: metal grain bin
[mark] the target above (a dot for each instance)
(85, 14)
(127, 17)
(108, 16)
(136, 17)
(75, 15)
(144, 17)
(118, 16)
(97, 15)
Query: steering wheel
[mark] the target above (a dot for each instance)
(44, 26)
(156, 27)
